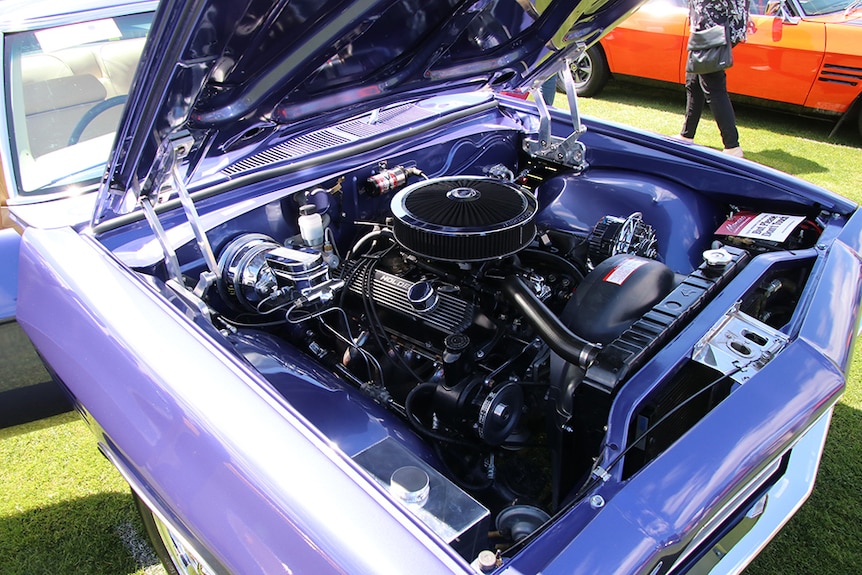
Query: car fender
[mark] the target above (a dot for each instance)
(839, 80)
(197, 422)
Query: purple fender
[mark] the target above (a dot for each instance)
(784, 411)
(198, 423)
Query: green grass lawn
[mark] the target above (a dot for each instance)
(64, 509)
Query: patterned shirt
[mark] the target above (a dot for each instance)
(707, 13)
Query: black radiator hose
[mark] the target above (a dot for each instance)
(558, 337)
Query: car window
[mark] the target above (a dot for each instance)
(761, 7)
(804, 7)
(65, 90)
(821, 7)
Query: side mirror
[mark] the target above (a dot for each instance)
(777, 28)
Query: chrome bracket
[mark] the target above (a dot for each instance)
(568, 151)
(739, 345)
(191, 298)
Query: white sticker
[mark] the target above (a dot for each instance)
(623, 270)
(772, 227)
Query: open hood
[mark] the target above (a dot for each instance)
(223, 74)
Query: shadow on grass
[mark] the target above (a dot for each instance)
(96, 535)
(786, 162)
(667, 97)
(823, 537)
(38, 424)
(27, 392)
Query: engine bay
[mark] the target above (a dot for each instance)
(494, 315)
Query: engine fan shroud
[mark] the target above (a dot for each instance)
(464, 219)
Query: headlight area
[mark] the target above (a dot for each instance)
(736, 348)
(736, 535)
(750, 335)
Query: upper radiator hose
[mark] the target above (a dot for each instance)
(558, 337)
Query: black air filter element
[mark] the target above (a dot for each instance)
(464, 219)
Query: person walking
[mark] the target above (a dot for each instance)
(549, 90)
(712, 88)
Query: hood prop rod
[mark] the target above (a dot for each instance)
(172, 151)
(147, 205)
(568, 151)
(207, 278)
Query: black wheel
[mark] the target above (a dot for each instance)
(174, 553)
(590, 73)
(91, 115)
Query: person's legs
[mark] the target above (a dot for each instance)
(694, 100)
(549, 90)
(714, 87)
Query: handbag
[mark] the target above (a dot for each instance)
(709, 50)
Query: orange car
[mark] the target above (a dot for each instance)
(804, 54)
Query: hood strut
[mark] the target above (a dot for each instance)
(173, 151)
(172, 263)
(568, 151)
(207, 278)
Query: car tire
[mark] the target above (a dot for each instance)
(590, 73)
(172, 552)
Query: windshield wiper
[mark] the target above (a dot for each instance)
(852, 7)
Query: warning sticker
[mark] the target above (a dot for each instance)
(772, 227)
(623, 270)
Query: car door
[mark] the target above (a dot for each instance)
(651, 42)
(780, 58)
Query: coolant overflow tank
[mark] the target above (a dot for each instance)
(615, 294)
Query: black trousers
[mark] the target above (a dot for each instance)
(711, 89)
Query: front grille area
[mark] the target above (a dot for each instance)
(675, 410)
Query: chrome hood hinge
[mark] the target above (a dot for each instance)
(567, 151)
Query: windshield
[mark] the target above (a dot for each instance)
(65, 89)
(823, 7)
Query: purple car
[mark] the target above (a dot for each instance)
(344, 306)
